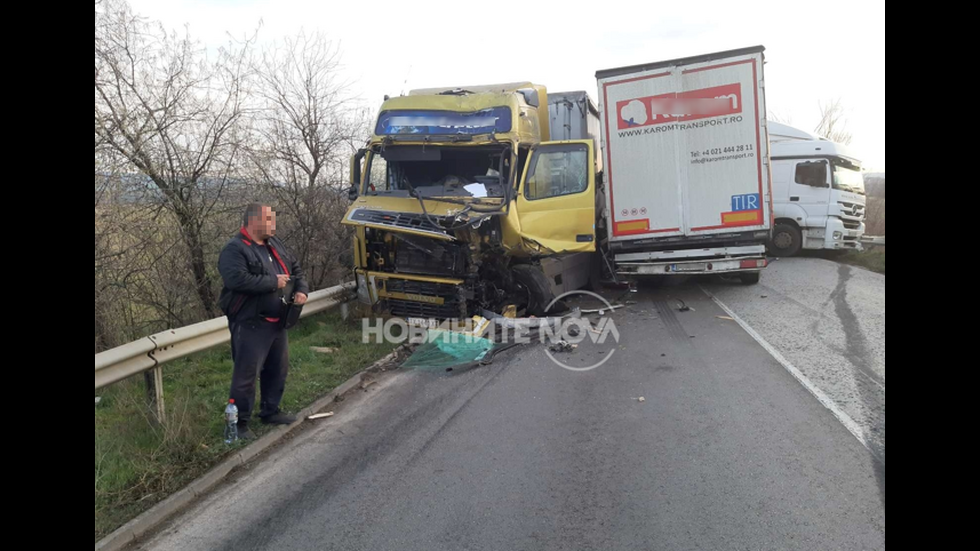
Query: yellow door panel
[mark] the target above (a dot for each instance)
(556, 202)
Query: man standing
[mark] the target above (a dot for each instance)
(257, 271)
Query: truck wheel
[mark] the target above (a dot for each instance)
(533, 289)
(786, 240)
(749, 278)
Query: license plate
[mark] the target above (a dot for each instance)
(695, 267)
(422, 322)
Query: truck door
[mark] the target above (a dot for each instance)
(810, 189)
(556, 200)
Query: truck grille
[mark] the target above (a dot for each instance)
(427, 256)
(418, 222)
(852, 214)
(451, 308)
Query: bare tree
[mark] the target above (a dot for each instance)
(308, 124)
(172, 115)
(779, 116)
(832, 123)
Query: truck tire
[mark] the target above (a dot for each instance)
(749, 278)
(786, 240)
(533, 287)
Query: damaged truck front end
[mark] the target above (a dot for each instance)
(456, 200)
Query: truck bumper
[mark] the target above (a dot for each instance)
(693, 267)
(744, 258)
(834, 237)
(411, 296)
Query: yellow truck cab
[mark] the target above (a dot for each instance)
(459, 195)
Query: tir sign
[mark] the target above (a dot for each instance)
(749, 201)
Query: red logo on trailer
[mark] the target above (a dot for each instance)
(686, 106)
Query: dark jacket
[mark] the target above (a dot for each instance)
(250, 289)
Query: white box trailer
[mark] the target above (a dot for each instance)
(686, 165)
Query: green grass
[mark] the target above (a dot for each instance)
(873, 259)
(139, 463)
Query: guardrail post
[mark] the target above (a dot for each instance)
(154, 392)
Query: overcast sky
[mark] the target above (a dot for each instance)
(815, 52)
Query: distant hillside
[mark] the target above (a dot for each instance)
(874, 184)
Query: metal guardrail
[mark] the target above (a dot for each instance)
(149, 353)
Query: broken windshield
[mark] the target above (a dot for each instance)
(495, 119)
(439, 171)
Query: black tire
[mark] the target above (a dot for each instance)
(749, 278)
(533, 289)
(786, 240)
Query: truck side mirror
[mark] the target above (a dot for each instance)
(355, 173)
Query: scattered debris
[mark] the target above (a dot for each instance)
(480, 327)
(320, 415)
(725, 318)
(444, 349)
(562, 346)
(640, 399)
(602, 311)
(98, 399)
(573, 331)
(663, 355)
(323, 349)
(684, 307)
(510, 311)
(366, 384)
(765, 296)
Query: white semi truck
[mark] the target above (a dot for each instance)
(818, 193)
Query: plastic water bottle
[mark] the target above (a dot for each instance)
(231, 422)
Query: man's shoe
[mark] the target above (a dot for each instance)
(279, 418)
(245, 433)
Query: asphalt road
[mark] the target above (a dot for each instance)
(727, 450)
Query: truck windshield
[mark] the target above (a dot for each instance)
(439, 171)
(495, 119)
(847, 177)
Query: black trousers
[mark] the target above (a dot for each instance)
(258, 347)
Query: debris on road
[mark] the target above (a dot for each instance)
(684, 307)
(323, 349)
(562, 346)
(602, 311)
(367, 384)
(320, 415)
(725, 318)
